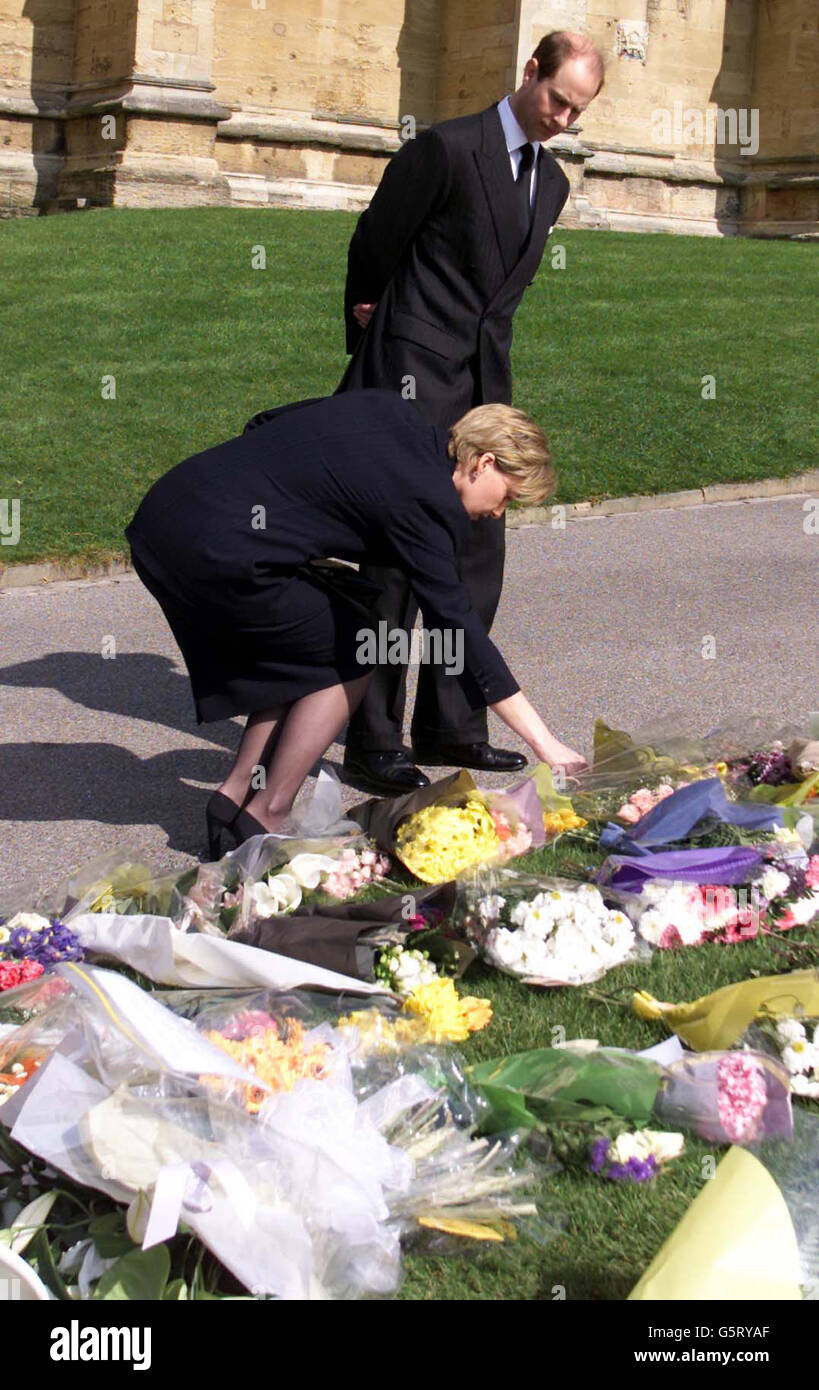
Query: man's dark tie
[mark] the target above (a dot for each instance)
(523, 186)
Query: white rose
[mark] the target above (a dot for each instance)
(32, 921)
(774, 883)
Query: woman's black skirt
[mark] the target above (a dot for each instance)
(309, 642)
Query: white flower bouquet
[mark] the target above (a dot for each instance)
(546, 931)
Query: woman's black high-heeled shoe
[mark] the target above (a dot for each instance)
(245, 826)
(220, 813)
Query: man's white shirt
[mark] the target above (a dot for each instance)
(516, 138)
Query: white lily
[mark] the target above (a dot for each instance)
(307, 869)
(281, 893)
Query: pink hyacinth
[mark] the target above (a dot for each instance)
(741, 1096)
(812, 872)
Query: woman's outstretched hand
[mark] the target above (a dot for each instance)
(560, 755)
(516, 711)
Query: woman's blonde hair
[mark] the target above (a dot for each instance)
(520, 447)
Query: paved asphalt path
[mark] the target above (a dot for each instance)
(608, 616)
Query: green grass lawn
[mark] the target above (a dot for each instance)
(613, 1229)
(609, 355)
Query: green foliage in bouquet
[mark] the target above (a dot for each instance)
(560, 1086)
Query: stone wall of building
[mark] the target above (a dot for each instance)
(477, 60)
(706, 124)
(36, 59)
(783, 191)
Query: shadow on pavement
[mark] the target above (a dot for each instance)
(101, 782)
(138, 685)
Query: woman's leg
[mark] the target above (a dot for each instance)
(307, 730)
(261, 734)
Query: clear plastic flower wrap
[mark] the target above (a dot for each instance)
(757, 759)
(300, 1162)
(543, 930)
(417, 1095)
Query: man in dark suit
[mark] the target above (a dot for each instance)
(437, 265)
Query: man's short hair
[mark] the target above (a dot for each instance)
(520, 447)
(557, 47)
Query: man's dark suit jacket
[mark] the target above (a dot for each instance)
(451, 280)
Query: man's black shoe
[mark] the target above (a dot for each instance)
(386, 774)
(475, 755)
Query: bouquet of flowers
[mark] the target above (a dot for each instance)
(298, 1161)
(724, 1097)
(31, 944)
(771, 1251)
(674, 914)
(440, 831)
(634, 1156)
(631, 773)
(338, 876)
(773, 772)
(544, 931)
(720, 1020)
(795, 1041)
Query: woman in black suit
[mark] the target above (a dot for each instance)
(225, 541)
